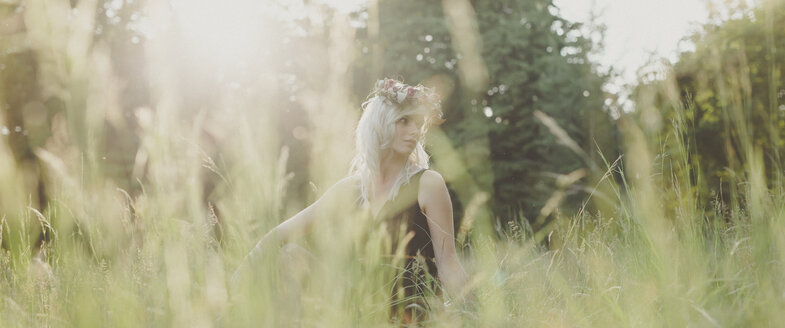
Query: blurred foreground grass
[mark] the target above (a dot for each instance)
(146, 262)
(656, 255)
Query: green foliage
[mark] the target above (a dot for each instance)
(536, 60)
(731, 96)
(155, 242)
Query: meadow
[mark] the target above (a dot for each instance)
(155, 247)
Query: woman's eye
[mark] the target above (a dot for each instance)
(404, 120)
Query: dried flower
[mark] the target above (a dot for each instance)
(403, 94)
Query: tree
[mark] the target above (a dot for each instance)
(731, 94)
(535, 60)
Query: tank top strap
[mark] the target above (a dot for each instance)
(407, 196)
(411, 188)
(415, 179)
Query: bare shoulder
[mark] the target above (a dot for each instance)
(433, 191)
(348, 183)
(345, 187)
(431, 181)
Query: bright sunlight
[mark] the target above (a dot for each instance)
(397, 163)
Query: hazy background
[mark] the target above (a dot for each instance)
(611, 163)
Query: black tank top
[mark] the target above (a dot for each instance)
(419, 277)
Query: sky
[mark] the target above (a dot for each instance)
(638, 28)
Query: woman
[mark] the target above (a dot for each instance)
(390, 180)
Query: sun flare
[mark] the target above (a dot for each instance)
(227, 32)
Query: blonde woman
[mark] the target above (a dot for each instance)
(390, 180)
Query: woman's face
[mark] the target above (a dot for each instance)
(407, 132)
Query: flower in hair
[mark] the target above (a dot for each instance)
(404, 94)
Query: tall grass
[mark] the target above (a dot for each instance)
(655, 256)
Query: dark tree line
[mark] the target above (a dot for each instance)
(729, 98)
(536, 61)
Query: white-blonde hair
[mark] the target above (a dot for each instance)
(374, 134)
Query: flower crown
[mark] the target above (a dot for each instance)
(404, 94)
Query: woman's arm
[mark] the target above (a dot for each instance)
(436, 205)
(301, 223)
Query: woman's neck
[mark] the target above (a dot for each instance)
(390, 166)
